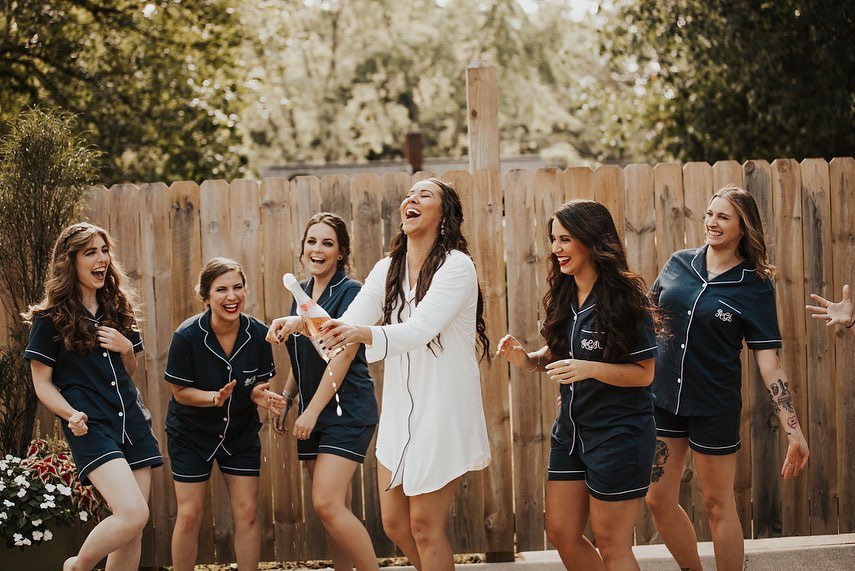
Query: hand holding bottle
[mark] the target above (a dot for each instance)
(313, 316)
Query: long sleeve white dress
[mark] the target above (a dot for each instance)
(432, 426)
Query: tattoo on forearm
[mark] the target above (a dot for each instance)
(792, 424)
(782, 399)
(660, 456)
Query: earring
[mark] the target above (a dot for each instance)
(340, 258)
(442, 229)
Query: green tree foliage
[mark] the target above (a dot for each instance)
(339, 80)
(154, 84)
(45, 170)
(738, 79)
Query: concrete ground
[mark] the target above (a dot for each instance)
(814, 553)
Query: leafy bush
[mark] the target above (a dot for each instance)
(40, 488)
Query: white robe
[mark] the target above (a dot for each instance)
(432, 426)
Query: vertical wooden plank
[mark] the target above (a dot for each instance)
(552, 188)
(245, 245)
(765, 495)
(498, 477)
(822, 469)
(725, 173)
(370, 196)
(697, 190)
(842, 179)
(186, 264)
(305, 203)
(335, 195)
(123, 224)
(467, 518)
(669, 208)
(608, 190)
(576, 182)
(523, 232)
(640, 221)
(277, 234)
(156, 290)
(336, 198)
(790, 295)
(216, 240)
(641, 257)
(482, 105)
(96, 207)
(393, 191)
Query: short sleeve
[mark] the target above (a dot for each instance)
(266, 366)
(43, 345)
(646, 347)
(136, 340)
(761, 328)
(179, 363)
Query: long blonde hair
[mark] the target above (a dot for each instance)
(752, 246)
(62, 301)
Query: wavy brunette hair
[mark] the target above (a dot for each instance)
(622, 303)
(752, 246)
(63, 302)
(449, 238)
(339, 226)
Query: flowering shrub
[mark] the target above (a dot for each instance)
(39, 488)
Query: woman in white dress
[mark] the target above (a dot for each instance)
(426, 298)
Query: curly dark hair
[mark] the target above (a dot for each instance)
(622, 303)
(451, 238)
(62, 301)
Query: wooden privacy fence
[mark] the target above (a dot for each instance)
(165, 233)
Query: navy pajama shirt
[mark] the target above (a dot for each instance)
(197, 436)
(698, 370)
(96, 382)
(348, 435)
(604, 434)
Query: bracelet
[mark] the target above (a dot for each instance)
(214, 399)
(288, 397)
(851, 324)
(536, 365)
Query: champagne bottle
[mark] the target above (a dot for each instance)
(313, 315)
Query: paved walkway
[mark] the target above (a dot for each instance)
(813, 553)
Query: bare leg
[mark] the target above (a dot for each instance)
(121, 490)
(566, 516)
(395, 512)
(128, 556)
(613, 524)
(428, 521)
(663, 499)
(331, 479)
(190, 498)
(243, 499)
(716, 474)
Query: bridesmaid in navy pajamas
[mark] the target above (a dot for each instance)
(219, 368)
(82, 353)
(713, 298)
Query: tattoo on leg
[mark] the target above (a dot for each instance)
(781, 396)
(660, 456)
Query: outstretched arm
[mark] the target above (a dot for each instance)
(776, 383)
(840, 313)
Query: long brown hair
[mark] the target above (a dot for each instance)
(450, 238)
(622, 303)
(752, 246)
(62, 301)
